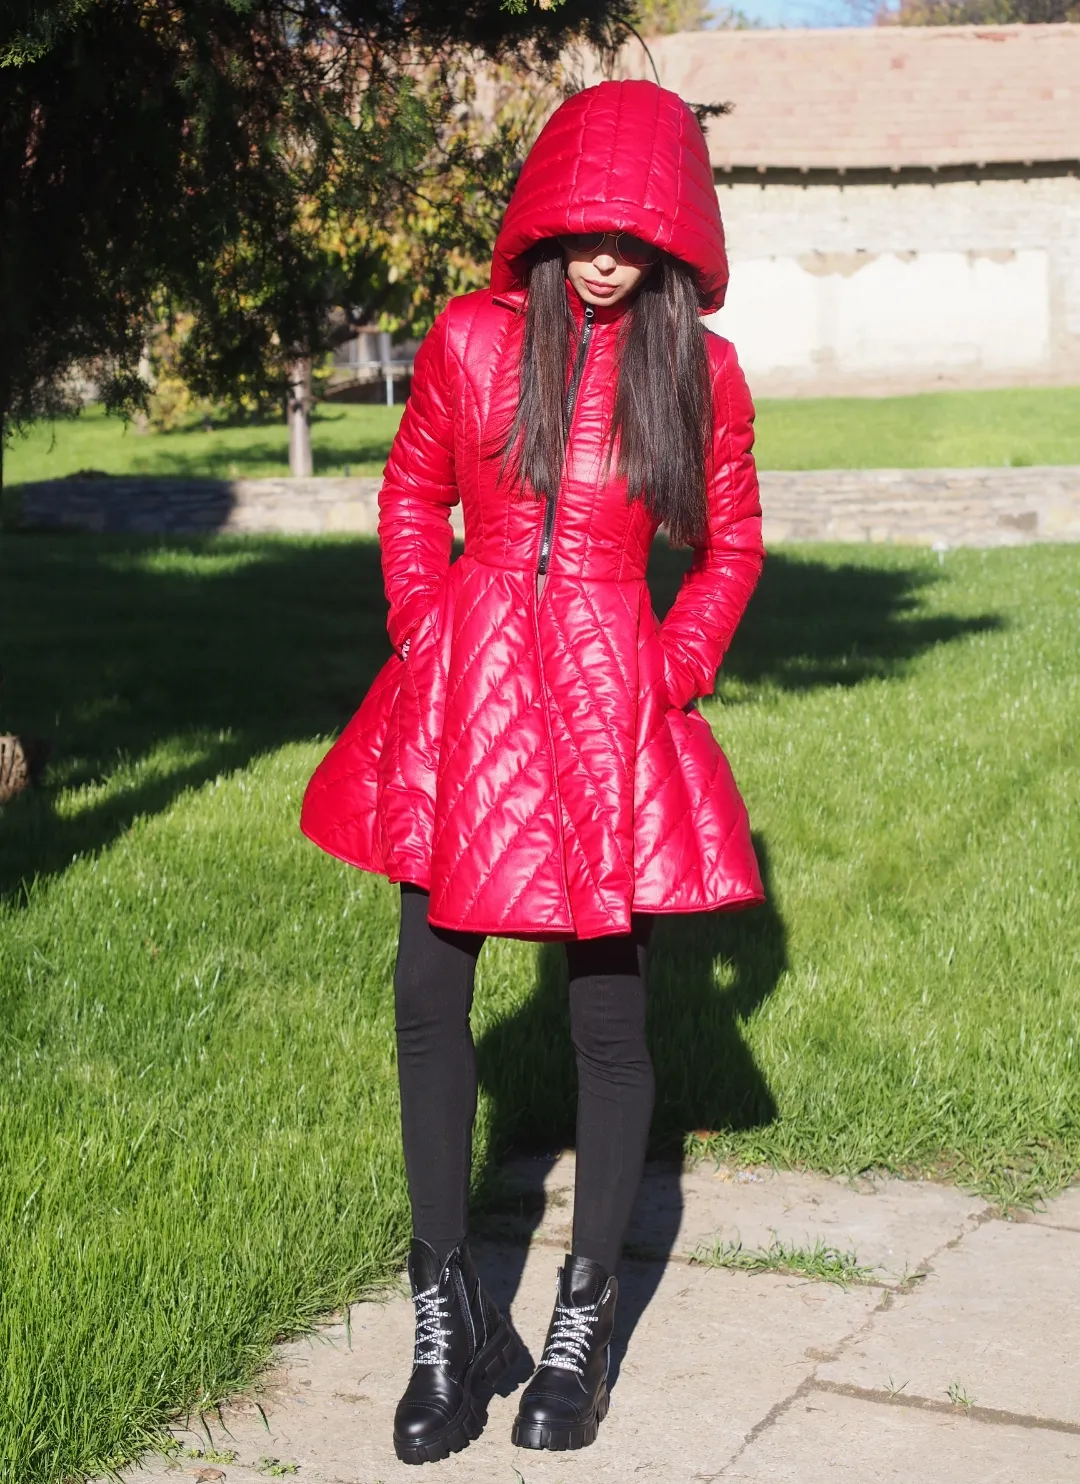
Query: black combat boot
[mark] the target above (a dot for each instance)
(567, 1398)
(463, 1345)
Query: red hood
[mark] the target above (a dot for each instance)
(626, 155)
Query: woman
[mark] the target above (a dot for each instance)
(530, 762)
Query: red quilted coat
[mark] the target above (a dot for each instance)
(536, 762)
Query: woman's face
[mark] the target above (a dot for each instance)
(600, 277)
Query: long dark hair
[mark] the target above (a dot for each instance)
(662, 419)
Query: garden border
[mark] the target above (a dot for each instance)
(921, 507)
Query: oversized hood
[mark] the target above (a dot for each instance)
(621, 155)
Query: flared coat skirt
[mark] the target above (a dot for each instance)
(525, 764)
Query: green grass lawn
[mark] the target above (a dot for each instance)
(198, 1119)
(959, 429)
(345, 436)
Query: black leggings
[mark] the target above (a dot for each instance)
(433, 990)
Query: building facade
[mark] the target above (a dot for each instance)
(902, 205)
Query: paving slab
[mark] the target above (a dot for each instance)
(718, 1374)
(710, 1353)
(893, 1226)
(847, 1440)
(998, 1317)
(1063, 1212)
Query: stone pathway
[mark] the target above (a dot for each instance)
(956, 1359)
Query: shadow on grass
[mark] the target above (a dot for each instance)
(172, 661)
(184, 658)
(707, 974)
(242, 459)
(812, 623)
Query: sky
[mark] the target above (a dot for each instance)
(802, 12)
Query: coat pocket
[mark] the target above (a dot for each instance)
(408, 644)
(422, 628)
(654, 673)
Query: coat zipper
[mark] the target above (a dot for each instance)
(571, 399)
(541, 566)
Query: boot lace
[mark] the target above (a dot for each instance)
(432, 1312)
(571, 1337)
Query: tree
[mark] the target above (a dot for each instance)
(980, 12)
(258, 163)
(662, 17)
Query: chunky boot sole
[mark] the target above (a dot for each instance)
(560, 1439)
(498, 1355)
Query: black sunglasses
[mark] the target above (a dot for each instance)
(629, 248)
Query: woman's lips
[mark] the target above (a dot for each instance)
(601, 290)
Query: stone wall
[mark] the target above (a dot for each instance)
(925, 507)
(295, 507)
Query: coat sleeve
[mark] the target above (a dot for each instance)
(716, 588)
(418, 489)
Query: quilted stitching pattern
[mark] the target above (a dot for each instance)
(623, 154)
(529, 761)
